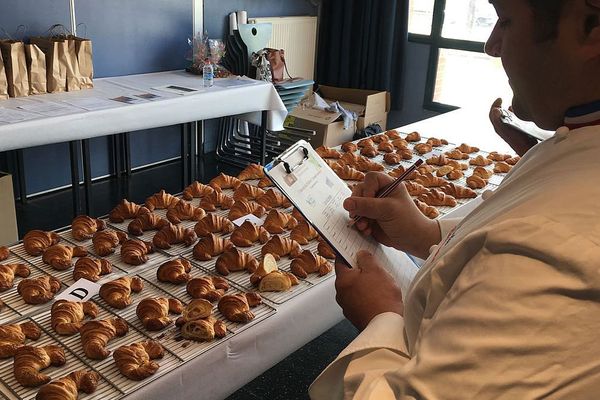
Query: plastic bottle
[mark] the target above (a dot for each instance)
(208, 73)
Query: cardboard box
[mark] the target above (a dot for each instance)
(370, 105)
(8, 218)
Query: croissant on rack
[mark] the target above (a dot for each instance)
(126, 210)
(38, 290)
(386, 147)
(456, 154)
(204, 330)
(184, 211)
(380, 138)
(423, 148)
(269, 278)
(224, 182)
(325, 250)
(174, 271)
(465, 148)
(273, 199)
(248, 233)
(397, 171)
(84, 227)
(161, 201)
(68, 387)
(413, 137)
(146, 222)
(135, 252)
(210, 246)
(106, 242)
(60, 257)
(197, 190)
(8, 273)
(30, 360)
(392, 134)
(213, 223)
(278, 222)
(400, 144)
(4, 253)
(425, 169)
(443, 171)
(457, 191)
(308, 263)
(252, 171)
(480, 161)
(134, 361)
(242, 208)
(435, 142)
(483, 173)
(154, 312)
(414, 188)
(429, 180)
(234, 260)
(195, 310)
(349, 147)
(348, 173)
(216, 199)
(513, 160)
(173, 234)
(436, 197)
(427, 210)
(367, 142)
(439, 161)
(95, 335)
(454, 175)
(495, 156)
(502, 167)
(36, 241)
(265, 182)
(327, 152)
(13, 336)
(303, 233)
(210, 288)
(66, 317)
(236, 307)
(392, 158)
(458, 165)
(247, 192)
(476, 182)
(369, 151)
(280, 247)
(117, 293)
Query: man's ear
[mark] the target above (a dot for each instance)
(592, 38)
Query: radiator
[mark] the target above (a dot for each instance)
(298, 37)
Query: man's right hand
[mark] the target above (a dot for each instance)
(516, 139)
(394, 221)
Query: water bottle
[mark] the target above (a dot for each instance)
(208, 73)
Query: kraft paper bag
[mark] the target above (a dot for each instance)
(13, 53)
(74, 78)
(83, 49)
(55, 51)
(36, 69)
(3, 80)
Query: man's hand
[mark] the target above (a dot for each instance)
(516, 139)
(366, 291)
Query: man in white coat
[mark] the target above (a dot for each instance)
(507, 305)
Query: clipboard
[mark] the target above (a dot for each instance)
(318, 194)
(528, 128)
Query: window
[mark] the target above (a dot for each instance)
(460, 73)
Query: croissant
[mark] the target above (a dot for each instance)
(66, 317)
(405, 153)
(30, 360)
(135, 360)
(235, 260)
(303, 233)
(423, 148)
(369, 151)
(174, 271)
(397, 171)
(36, 241)
(280, 247)
(483, 173)
(213, 223)
(480, 161)
(325, 250)
(476, 182)
(173, 234)
(183, 211)
(4, 253)
(252, 171)
(458, 165)
(161, 200)
(392, 134)
(265, 182)
(457, 191)
(84, 227)
(400, 143)
(278, 222)
(247, 192)
(273, 199)
(392, 158)
(348, 173)
(242, 208)
(106, 242)
(117, 293)
(38, 290)
(195, 310)
(465, 148)
(435, 142)
(386, 147)
(146, 222)
(154, 312)
(456, 154)
(95, 335)
(296, 214)
(14, 335)
(204, 330)
(436, 197)
(425, 169)
(224, 182)
(126, 210)
(440, 160)
(502, 167)
(414, 188)
(248, 233)
(367, 142)
(8, 273)
(454, 175)
(327, 152)
(268, 278)
(495, 156)
(197, 190)
(236, 307)
(429, 211)
(513, 160)
(308, 263)
(60, 257)
(135, 252)
(430, 180)
(68, 387)
(380, 138)
(413, 137)
(443, 171)
(207, 288)
(210, 246)
(216, 199)
(349, 147)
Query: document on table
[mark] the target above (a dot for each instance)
(90, 103)
(318, 193)
(49, 108)
(10, 116)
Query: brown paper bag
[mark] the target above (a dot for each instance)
(74, 79)
(83, 49)
(13, 53)
(36, 69)
(55, 51)
(3, 80)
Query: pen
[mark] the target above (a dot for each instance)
(386, 191)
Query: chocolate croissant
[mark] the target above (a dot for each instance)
(135, 360)
(36, 241)
(68, 387)
(4, 253)
(234, 260)
(308, 263)
(95, 335)
(327, 152)
(8, 273)
(224, 182)
(216, 199)
(66, 317)
(161, 201)
(173, 234)
(280, 247)
(252, 171)
(135, 252)
(236, 307)
(247, 192)
(174, 271)
(106, 242)
(278, 222)
(154, 312)
(84, 227)
(38, 290)
(303, 233)
(146, 222)
(126, 210)
(210, 288)
(13, 336)
(213, 223)
(30, 360)
(184, 211)
(210, 246)
(197, 190)
(117, 293)
(242, 208)
(457, 191)
(248, 233)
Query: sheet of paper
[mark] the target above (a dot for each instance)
(129, 100)
(50, 108)
(234, 82)
(90, 103)
(177, 89)
(10, 116)
(82, 290)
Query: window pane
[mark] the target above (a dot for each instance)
(420, 16)
(466, 78)
(469, 20)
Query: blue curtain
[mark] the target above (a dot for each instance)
(362, 45)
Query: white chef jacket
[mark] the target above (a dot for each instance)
(508, 306)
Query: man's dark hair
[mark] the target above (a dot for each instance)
(548, 13)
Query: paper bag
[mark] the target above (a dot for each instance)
(3, 80)
(74, 78)
(13, 53)
(36, 69)
(55, 51)
(83, 49)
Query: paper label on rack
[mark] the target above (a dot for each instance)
(82, 290)
(250, 217)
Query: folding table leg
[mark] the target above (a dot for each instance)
(21, 176)
(263, 135)
(193, 151)
(116, 154)
(185, 153)
(87, 175)
(127, 153)
(201, 172)
(74, 152)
